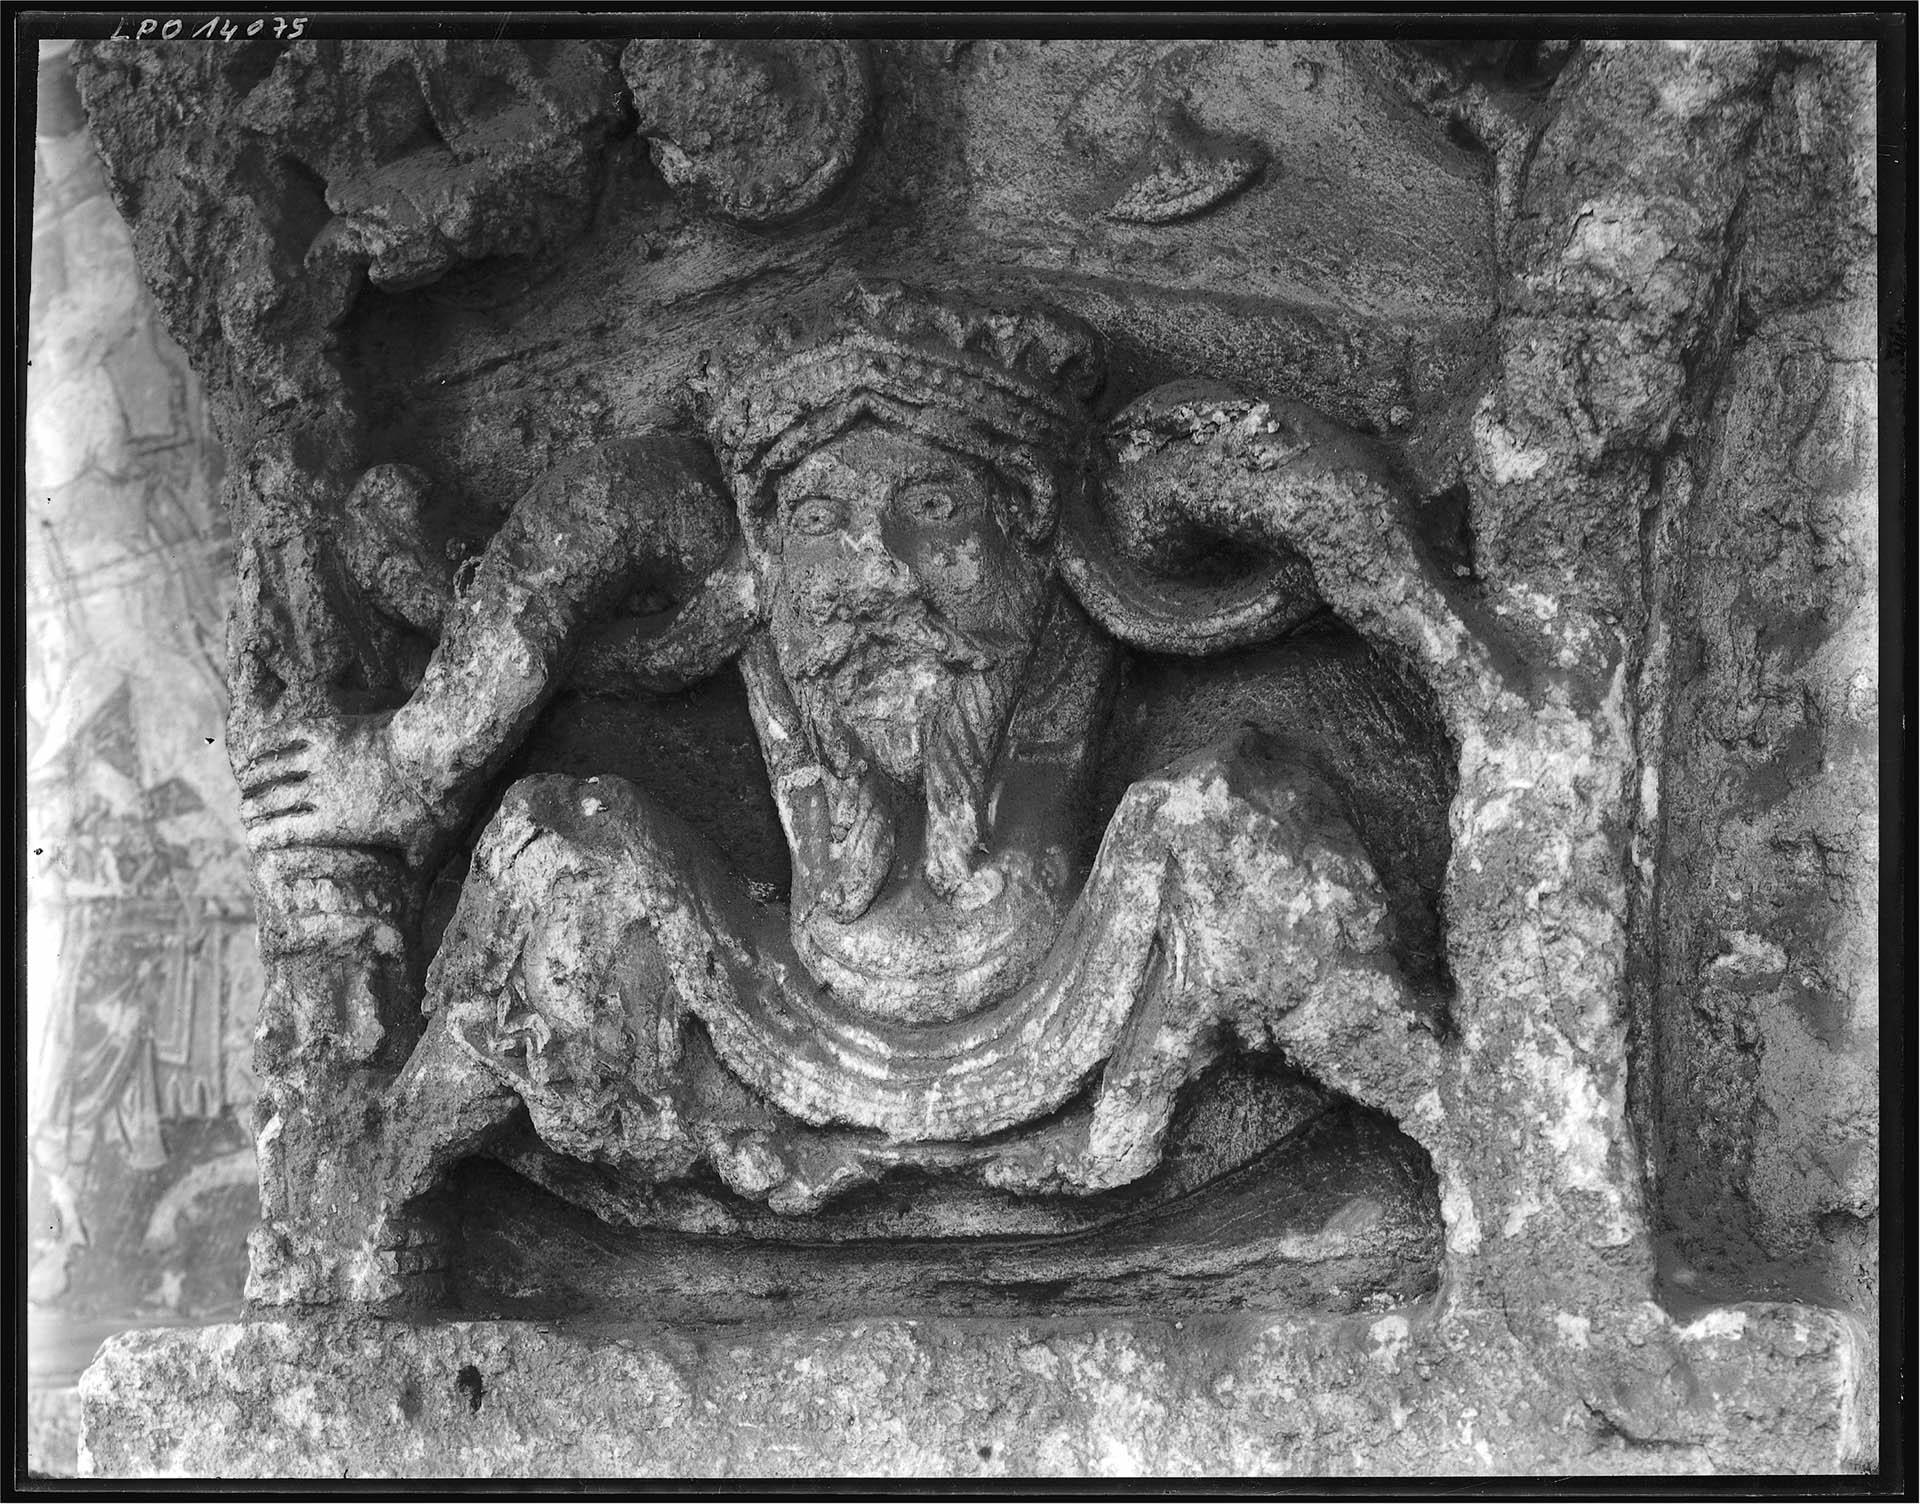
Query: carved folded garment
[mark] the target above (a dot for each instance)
(1229, 904)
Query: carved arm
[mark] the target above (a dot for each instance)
(1192, 463)
(644, 511)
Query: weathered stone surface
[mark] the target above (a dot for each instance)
(1238, 352)
(1768, 1025)
(910, 656)
(1761, 1388)
(763, 131)
(436, 153)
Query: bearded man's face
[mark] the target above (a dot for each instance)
(900, 600)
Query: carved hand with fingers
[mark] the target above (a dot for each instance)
(336, 783)
(633, 514)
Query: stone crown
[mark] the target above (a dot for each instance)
(990, 381)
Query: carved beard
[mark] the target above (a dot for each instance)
(924, 703)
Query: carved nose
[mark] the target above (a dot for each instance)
(877, 571)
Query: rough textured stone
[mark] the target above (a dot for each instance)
(1413, 376)
(1767, 1037)
(764, 131)
(1400, 1393)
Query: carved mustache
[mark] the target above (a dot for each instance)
(912, 629)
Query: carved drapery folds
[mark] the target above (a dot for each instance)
(1150, 781)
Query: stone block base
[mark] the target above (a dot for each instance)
(1750, 1389)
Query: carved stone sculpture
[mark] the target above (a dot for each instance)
(919, 681)
(916, 485)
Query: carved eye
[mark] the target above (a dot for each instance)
(932, 503)
(819, 515)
